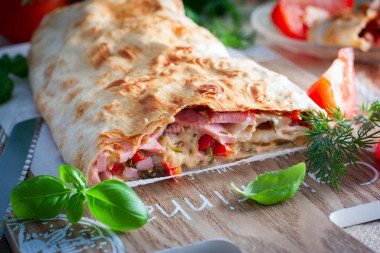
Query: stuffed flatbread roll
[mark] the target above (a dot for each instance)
(350, 28)
(135, 89)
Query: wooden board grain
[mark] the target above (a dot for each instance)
(203, 206)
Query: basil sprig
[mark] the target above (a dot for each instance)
(111, 202)
(275, 186)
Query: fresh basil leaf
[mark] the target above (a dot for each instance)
(40, 197)
(73, 176)
(115, 204)
(276, 186)
(19, 66)
(75, 207)
(6, 87)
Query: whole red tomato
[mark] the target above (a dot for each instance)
(18, 22)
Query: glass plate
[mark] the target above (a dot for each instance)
(261, 21)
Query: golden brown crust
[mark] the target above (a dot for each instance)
(124, 68)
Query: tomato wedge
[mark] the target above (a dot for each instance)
(204, 142)
(290, 15)
(336, 87)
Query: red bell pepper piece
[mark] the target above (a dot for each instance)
(204, 142)
(138, 156)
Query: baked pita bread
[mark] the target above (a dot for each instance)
(111, 77)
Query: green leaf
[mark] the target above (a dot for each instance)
(6, 87)
(19, 66)
(75, 207)
(73, 176)
(116, 205)
(5, 63)
(191, 14)
(276, 186)
(40, 197)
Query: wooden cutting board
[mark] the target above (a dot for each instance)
(203, 206)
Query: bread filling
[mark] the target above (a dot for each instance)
(199, 138)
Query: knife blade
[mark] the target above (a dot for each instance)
(15, 160)
(356, 214)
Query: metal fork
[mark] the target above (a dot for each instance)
(3, 139)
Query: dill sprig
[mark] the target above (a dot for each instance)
(333, 141)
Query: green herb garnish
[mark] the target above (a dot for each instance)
(332, 141)
(111, 201)
(178, 150)
(17, 66)
(179, 143)
(224, 132)
(223, 19)
(208, 151)
(275, 186)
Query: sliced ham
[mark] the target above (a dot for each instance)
(95, 175)
(198, 121)
(190, 117)
(104, 175)
(233, 117)
(175, 128)
(216, 131)
(152, 146)
(125, 155)
(131, 173)
(102, 162)
(145, 164)
(156, 135)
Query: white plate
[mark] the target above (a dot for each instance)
(261, 21)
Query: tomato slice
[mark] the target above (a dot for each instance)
(222, 150)
(204, 142)
(138, 156)
(336, 87)
(289, 15)
(117, 168)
